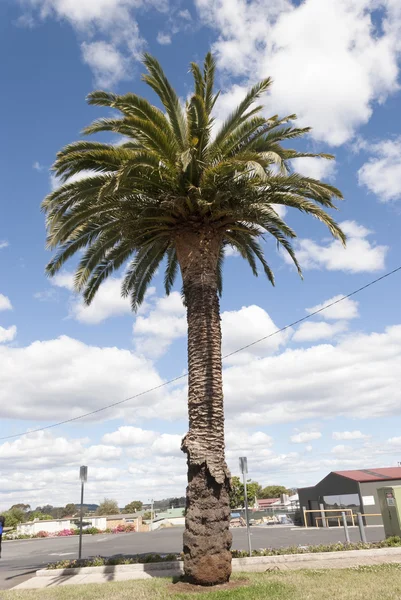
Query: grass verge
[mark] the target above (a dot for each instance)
(359, 583)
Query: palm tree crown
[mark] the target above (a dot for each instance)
(171, 176)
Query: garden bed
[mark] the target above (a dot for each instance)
(100, 561)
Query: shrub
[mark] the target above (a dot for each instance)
(66, 532)
(42, 534)
(91, 531)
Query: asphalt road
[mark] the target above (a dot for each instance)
(20, 559)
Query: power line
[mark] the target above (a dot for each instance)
(157, 387)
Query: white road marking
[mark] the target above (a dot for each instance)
(62, 553)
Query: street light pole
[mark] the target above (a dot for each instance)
(243, 464)
(83, 475)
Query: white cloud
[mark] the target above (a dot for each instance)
(37, 166)
(330, 75)
(38, 450)
(280, 210)
(65, 378)
(395, 441)
(7, 334)
(55, 181)
(305, 436)
(165, 322)
(231, 251)
(349, 435)
(311, 331)
(341, 449)
(113, 21)
(167, 444)
(346, 309)
(163, 38)
(243, 440)
(359, 377)
(316, 168)
(107, 63)
(381, 174)
(107, 303)
(101, 453)
(360, 255)
(3, 244)
(129, 436)
(64, 279)
(5, 303)
(244, 326)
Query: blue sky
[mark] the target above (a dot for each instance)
(320, 397)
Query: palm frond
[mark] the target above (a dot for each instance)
(157, 80)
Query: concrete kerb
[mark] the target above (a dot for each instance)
(172, 568)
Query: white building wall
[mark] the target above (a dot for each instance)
(33, 527)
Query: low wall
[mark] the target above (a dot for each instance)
(256, 563)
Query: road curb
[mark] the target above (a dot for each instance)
(239, 564)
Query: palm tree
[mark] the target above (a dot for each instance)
(173, 192)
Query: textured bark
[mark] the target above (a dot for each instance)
(207, 538)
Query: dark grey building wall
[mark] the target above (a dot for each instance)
(369, 489)
(332, 485)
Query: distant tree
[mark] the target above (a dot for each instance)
(133, 506)
(23, 507)
(70, 510)
(147, 515)
(46, 510)
(237, 495)
(273, 491)
(108, 507)
(17, 514)
(14, 516)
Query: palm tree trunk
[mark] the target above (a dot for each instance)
(207, 538)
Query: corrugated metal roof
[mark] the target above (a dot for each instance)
(362, 475)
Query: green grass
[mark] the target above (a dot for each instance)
(382, 582)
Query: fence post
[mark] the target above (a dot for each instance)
(347, 540)
(362, 528)
(305, 517)
(323, 515)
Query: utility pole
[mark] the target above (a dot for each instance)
(243, 465)
(83, 475)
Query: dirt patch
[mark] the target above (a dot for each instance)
(190, 588)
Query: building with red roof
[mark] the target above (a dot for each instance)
(354, 490)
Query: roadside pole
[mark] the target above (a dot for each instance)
(362, 529)
(347, 539)
(243, 465)
(83, 475)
